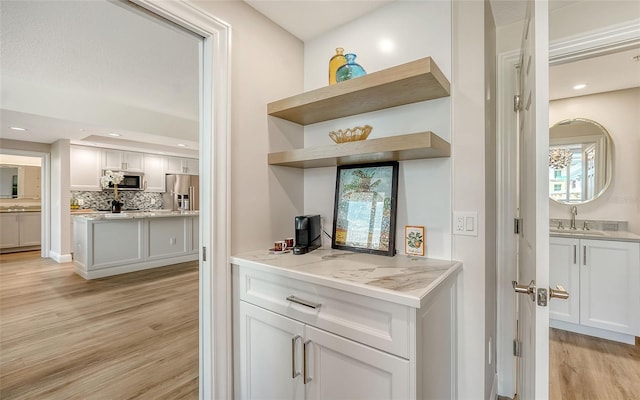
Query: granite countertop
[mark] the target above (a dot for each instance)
(400, 279)
(620, 236)
(100, 216)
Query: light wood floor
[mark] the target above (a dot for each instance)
(123, 337)
(583, 367)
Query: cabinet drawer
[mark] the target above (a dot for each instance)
(377, 323)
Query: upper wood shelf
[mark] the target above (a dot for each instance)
(408, 83)
(393, 148)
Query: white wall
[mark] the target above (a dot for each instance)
(469, 186)
(617, 112)
(60, 217)
(417, 30)
(266, 65)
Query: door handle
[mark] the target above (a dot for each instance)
(529, 289)
(294, 370)
(559, 293)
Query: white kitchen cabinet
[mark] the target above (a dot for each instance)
(610, 286)
(85, 168)
(179, 165)
(564, 270)
(9, 230)
(119, 160)
(154, 173)
(20, 229)
(195, 235)
(340, 345)
(603, 281)
(281, 358)
(168, 237)
(30, 228)
(29, 184)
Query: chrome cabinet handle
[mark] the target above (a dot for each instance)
(575, 253)
(305, 365)
(294, 371)
(303, 302)
(584, 254)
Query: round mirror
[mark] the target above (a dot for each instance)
(579, 161)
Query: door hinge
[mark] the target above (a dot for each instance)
(517, 348)
(204, 253)
(517, 106)
(517, 225)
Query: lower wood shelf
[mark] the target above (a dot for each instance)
(412, 146)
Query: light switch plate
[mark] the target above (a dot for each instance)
(465, 223)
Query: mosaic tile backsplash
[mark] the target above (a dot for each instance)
(132, 199)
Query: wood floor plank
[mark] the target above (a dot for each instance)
(584, 367)
(132, 336)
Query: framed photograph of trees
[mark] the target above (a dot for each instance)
(364, 215)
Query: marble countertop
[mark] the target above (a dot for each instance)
(400, 279)
(19, 209)
(101, 216)
(620, 236)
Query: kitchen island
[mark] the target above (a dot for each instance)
(338, 324)
(108, 244)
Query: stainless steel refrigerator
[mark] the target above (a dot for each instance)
(182, 193)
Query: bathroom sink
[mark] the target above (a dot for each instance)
(570, 232)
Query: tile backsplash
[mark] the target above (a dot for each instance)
(132, 199)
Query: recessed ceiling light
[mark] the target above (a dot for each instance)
(182, 145)
(17, 128)
(580, 86)
(115, 134)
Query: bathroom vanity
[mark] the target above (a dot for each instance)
(336, 324)
(601, 272)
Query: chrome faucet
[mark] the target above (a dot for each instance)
(574, 212)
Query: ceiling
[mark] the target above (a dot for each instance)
(82, 70)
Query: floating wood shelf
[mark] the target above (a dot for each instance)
(394, 148)
(408, 83)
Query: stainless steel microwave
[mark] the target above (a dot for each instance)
(130, 182)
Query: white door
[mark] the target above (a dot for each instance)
(337, 368)
(532, 380)
(270, 355)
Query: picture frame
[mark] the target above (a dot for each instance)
(414, 242)
(364, 214)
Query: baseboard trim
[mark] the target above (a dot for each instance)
(60, 258)
(123, 269)
(494, 388)
(587, 330)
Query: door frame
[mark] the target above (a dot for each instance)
(215, 352)
(585, 45)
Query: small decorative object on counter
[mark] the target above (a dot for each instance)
(337, 61)
(113, 178)
(350, 70)
(414, 240)
(351, 134)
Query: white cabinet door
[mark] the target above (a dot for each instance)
(9, 230)
(564, 270)
(195, 234)
(30, 223)
(191, 166)
(174, 165)
(85, 168)
(154, 173)
(178, 165)
(168, 237)
(122, 160)
(338, 368)
(610, 285)
(270, 355)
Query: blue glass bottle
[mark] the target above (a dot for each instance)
(350, 70)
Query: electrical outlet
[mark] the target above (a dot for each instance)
(80, 202)
(152, 201)
(465, 223)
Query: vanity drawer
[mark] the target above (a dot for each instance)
(370, 321)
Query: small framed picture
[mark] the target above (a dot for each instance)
(414, 240)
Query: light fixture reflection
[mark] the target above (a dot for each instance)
(580, 86)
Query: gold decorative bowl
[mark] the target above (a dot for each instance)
(351, 134)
